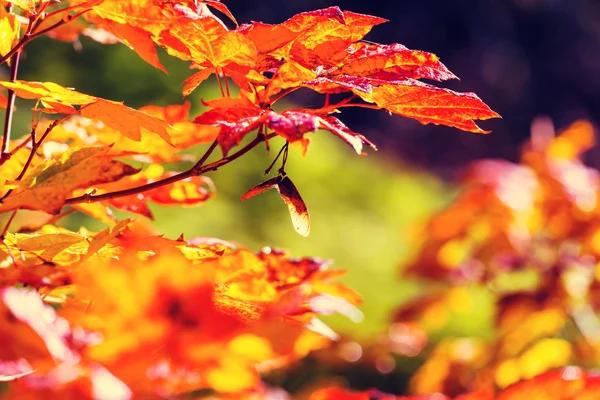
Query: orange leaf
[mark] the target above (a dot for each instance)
(207, 43)
(136, 39)
(392, 62)
(330, 24)
(126, 120)
(33, 330)
(193, 81)
(217, 5)
(429, 104)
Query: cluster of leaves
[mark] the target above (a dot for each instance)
(126, 312)
(527, 233)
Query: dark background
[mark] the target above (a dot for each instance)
(524, 58)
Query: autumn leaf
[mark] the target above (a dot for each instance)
(50, 243)
(330, 24)
(9, 32)
(235, 117)
(207, 43)
(195, 80)
(27, 5)
(429, 104)
(136, 39)
(126, 120)
(183, 134)
(48, 91)
(391, 62)
(565, 383)
(103, 238)
(48, 186)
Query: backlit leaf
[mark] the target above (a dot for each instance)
(429, 104)
(126, 120)
(48, 91)
(47, 187)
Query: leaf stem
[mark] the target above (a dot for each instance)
(226, 85)
(283, 94)
(270, 167)
(218, 75)
(197, 169)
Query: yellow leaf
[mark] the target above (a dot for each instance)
(51, 243)
(9, 33)
(102, 238)
(48, 186)
(48, 91)
(27, 5)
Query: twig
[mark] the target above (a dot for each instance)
(34, 147)
(14, 68)
(10, 220)
(205, 156)
(62, 22)
(31, 34)
(194, 171)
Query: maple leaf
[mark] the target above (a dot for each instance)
(50, 244)
(208, 44)
(48, 186)
(391, 62)
(126, 120)
(26, 5)
(9, 32)
(48, 91)
(430, 104)
(330, 24)
(183, 134)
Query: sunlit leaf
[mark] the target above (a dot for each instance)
(47, 187)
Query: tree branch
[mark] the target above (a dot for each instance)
(30, 35)
(197, 169)
(14, 68)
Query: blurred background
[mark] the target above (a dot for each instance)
(524, 58)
